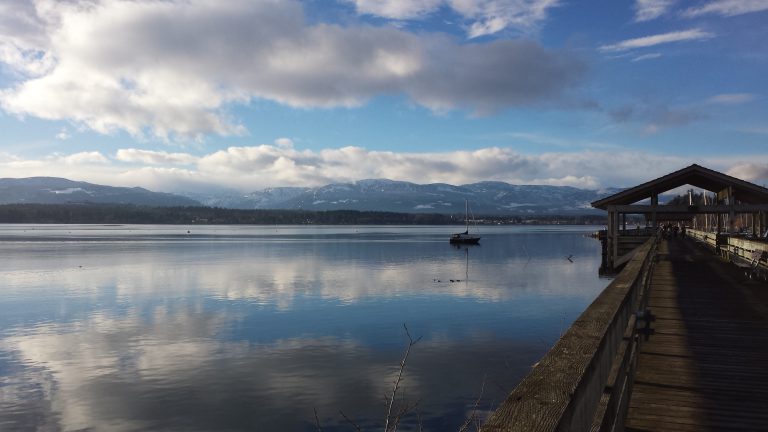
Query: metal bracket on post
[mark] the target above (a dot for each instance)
(644, 318)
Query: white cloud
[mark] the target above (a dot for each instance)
(284, 142)
(151, 157)
(583, 182)
(83, 158)
(485, 17)
(492, 16)
(63, 135)
(727, 8)
(731, 98)
(397, 9)
(647, 10)
(664, 38)
(23, 40)
(646, 57)
(250, 168)
(173, 68)
(18, 166)
(754, 172)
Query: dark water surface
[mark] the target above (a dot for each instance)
(251, 328)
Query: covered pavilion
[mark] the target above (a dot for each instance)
(733, 197)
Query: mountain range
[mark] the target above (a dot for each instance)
(485, 198)
(54, 190)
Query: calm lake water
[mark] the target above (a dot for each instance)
(253, 328)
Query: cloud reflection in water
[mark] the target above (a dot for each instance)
(252, 336)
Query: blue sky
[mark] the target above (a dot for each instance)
(184, 95)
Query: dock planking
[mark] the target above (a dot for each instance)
(706, 366)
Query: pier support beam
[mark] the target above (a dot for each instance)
(731, 211)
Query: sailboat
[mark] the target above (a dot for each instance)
(465, 237)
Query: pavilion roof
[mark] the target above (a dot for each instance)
(694, 175)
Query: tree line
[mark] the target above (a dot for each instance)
(135, 214)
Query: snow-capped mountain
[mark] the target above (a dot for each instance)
(53, 190)
(269, 198)
(487, 198)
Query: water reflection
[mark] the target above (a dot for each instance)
(221, 333)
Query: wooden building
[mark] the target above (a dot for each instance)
(733, 197)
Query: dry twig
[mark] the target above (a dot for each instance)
(473, 417)
(355, 425)
(418, 419)
(395, 421)
(318, 428)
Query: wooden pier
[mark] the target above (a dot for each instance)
(678, 341)
(705, 368)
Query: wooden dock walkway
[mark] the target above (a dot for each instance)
(706, 366)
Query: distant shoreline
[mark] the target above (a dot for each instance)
(106, 214)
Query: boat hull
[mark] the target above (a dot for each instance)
(464, 239)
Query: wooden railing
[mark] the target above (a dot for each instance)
(708, 238)
(585, 381)
(746, 248)
(746, 252)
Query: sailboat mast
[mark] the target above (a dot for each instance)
(466, 213)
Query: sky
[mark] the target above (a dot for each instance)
(207, 95)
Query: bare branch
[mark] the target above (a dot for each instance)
(473, 417)
(402, 413)
(396, 384)
(355, 425)
(410, 339)
(318, 428)
(418, 419)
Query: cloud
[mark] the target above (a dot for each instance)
(154, 157)
(622, 114)
(397, 9)
(656, 117)
(647, 10)
(646, 57)
(492, 16)
(727, 8)
(23, 40)
(664, 38)
(480, 76)
(172, 68)
(250, 168)
(583, 182)
(731, 98)
(56, 162)
(759, 130)
(83, 158)
(754, 172)
(63, 135)
(284, 142)
(664, 118)
(485, 17)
